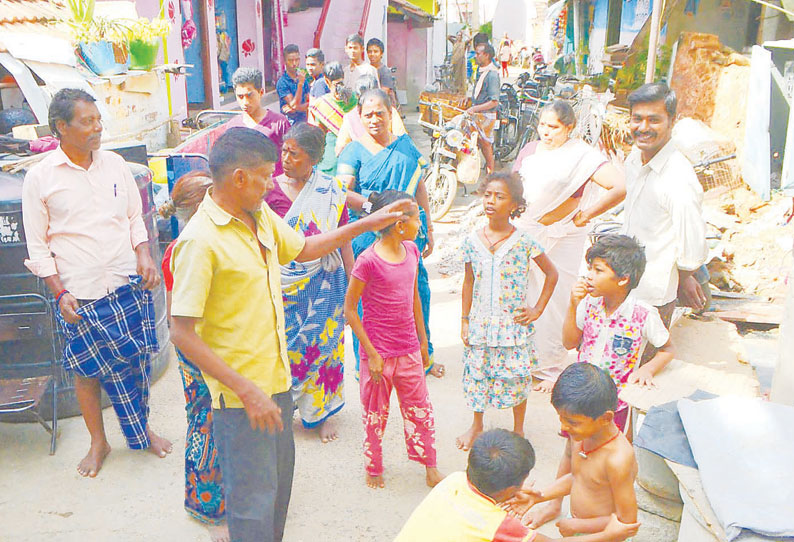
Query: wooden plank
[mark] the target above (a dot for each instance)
(690, 482)
(681, 379)
(756, 313)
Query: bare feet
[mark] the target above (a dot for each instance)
(219, 533)
(375, 482)
(158, 445)
(93, 460)
(544, 386)
(328, 430)
(465, 441)
(438, 370)
(433, 476)
(540, 515)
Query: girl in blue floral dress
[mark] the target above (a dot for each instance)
(496, 325)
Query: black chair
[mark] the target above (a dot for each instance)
(29, 365)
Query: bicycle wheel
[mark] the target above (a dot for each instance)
(441, 190)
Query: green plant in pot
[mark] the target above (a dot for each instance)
(144, 41)
(101, 42)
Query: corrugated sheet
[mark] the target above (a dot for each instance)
(24, 13)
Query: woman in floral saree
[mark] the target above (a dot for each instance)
(314, 292)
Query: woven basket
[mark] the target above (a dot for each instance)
(451, 106)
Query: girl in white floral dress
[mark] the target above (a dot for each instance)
(496, 325)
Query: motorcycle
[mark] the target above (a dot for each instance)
(454, 158)
(508, 116)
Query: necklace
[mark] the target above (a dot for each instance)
(584, 454)
(492, 245)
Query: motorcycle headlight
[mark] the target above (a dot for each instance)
(454, 139)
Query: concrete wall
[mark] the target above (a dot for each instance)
(514, 17)
(300, 28)
(136, 108)
(344, 18)
(250, 39)
(408, 48)
(783, 380)
(730, 24)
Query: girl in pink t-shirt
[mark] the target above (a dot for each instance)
(393, 342)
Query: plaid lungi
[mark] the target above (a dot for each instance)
(113, 343)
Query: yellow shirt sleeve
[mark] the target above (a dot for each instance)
(289, 243)
(192, 266)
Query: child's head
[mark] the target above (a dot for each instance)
(499, 462)
(503, 195)
(408, 226)
(616, 264)
(186, 195)
(585, 398)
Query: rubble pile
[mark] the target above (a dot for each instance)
(450, 263)
(753, 253)
(710, 81)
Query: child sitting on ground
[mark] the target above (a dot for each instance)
(496, 325)
(393, 341)
(611, 329)
(603, 468)
(467, 507)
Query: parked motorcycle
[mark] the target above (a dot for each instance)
(508, 116)
(454, 158)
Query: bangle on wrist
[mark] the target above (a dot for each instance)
(60, 295)
(464, 318)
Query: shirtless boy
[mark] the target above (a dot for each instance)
(602, 461)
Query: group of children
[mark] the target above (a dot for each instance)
(608, 326)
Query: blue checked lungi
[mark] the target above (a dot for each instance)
(113, 343)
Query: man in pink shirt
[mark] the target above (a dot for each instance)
(85, 236)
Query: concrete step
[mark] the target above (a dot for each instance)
(666, 508)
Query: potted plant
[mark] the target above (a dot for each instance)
(101, 42)
(144, 41)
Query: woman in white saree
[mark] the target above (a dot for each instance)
(567, 183)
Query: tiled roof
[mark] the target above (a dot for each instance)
(27, 14)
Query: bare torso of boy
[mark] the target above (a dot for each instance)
(603, 483)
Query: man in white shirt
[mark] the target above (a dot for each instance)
(663, 206)
(354, 48)
(85, 236)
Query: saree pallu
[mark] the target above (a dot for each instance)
(314, 295)
(328, 113)
(204, 498)
(399, 166)
(550, 179)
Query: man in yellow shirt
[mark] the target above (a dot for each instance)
(228, 319)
